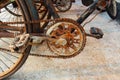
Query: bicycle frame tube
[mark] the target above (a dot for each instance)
(34, 16)
(88, 12)
(51, 9)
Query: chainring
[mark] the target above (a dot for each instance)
(66, 37)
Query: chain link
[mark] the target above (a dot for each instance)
(36, 55)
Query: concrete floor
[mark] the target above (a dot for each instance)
(100, 59)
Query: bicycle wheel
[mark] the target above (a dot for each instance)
(112, 9)
(63, 5)
(67, 38)
(13, 52)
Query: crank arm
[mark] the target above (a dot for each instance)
(94, 36)
(37, 40)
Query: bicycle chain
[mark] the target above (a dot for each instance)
(37, 55)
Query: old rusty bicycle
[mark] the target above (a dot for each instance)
(65, 37)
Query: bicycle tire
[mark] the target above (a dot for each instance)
(7, 70)
(112, 9)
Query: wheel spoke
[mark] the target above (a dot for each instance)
(4, 63)
(5, 41)
(73, 47)
(67, 50)
(11, 55)
(1, 69)
(7, 59)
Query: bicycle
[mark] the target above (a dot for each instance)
(66, 38)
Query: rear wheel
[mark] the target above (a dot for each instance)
(12, 58)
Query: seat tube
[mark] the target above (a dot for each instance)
(34, 16)
(49, 5)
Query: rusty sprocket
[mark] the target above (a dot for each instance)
(67, 37)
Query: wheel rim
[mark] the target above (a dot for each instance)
(67, 38)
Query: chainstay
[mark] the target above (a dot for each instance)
(37, 55)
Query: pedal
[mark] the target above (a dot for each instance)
(96, 32)
(20, 42)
